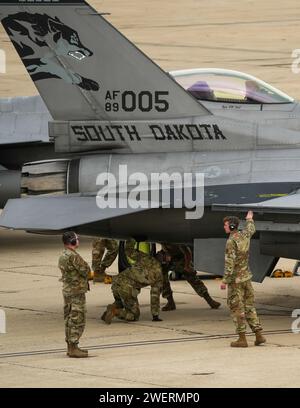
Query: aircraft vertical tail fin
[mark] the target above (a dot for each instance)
(85, 69)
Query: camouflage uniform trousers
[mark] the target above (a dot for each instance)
(240, 300)
(74, 316)
(191, 277)
(126, 300)
(99, 245)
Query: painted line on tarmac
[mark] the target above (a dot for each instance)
(137, 343)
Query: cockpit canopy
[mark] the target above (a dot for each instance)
(228, 86)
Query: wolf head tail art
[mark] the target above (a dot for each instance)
(43, 42)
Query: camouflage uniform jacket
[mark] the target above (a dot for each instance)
(145, 271)
(74, 273)
(237, 255)
(181, 256)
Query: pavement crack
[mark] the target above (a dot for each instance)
(171, 329)
(63, 370)
(12, 270)
(203, 373)
(283, 345)
(29, 310)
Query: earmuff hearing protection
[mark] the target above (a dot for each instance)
(69, 238)
(73, 240)
(233, 222)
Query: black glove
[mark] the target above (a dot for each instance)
(156, 319)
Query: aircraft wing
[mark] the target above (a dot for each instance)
(56, 213)
(278, 227)
(277, 224)
(289, 204)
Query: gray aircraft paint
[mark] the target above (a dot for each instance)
(207, 133)
(248, 153)
(23, 119)
(41, 41)
(237, 168)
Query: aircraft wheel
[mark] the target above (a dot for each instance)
(172, 275)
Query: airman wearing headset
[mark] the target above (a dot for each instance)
(237, 275)
(75, 285)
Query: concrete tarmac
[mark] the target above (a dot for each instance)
(189, 348)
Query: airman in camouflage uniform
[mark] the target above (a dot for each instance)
(181, 261)
(237, 275)
(99, 265)
(74, 272)
(126, 286)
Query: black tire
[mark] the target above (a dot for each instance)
(172, 275)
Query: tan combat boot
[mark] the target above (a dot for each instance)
(212, 303)
(98, 275)
(107, 279)
(76, 352)
(110, 313)
(241, 341)
(69, 347)
(103, 316)
(260, 339)
(170, 305)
